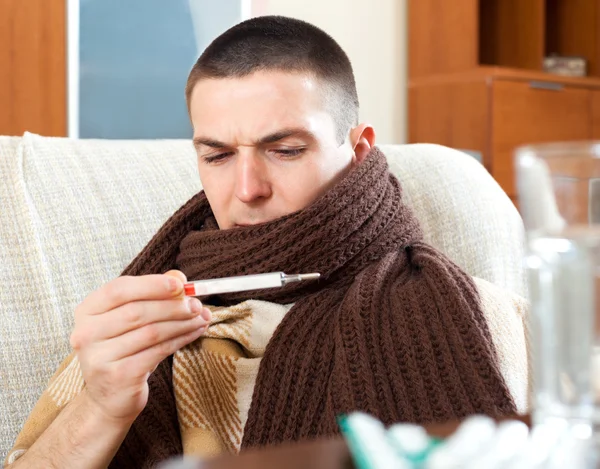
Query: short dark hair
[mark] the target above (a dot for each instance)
(288, 45)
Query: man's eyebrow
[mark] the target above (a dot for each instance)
(285, 133)
(271, 138)
(209, 142)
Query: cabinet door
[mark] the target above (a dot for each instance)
(530, 112)
(451, 113)
(596, 115)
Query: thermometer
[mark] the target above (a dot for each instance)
(243, 283)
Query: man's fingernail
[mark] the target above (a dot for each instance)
(206, 314)
(173, 284)
(195, 305)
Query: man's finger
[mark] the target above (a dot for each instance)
(147, 360)
(138, 314)
(148, 336)
(178, 274)
(126, 289)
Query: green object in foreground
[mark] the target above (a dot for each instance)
(403, 446)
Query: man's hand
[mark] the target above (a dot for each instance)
(124, 330)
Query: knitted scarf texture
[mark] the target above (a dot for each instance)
(392, 328)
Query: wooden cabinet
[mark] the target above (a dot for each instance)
(596, 114)
(33, 67)
(494, 110)
(455, 114)
(482, 87)
(426, 58)
(533, 112)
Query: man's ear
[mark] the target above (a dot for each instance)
(362, 139)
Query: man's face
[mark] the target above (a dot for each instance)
(267, 146)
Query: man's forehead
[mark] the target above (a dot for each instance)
(270, 87)
(306, 78)
(253, 108)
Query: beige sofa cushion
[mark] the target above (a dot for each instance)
(75, 212)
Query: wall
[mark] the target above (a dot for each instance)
(373, 33)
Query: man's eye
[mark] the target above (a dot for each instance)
(289, 152)
(216, 158)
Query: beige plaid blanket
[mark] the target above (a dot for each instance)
(213, 378)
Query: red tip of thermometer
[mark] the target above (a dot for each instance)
(189, 289)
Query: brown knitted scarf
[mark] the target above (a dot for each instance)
(393, 328)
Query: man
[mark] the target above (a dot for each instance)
(292, 182)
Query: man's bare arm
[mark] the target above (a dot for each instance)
(81, 437)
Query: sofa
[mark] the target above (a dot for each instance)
(73, 213)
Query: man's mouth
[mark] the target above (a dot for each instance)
(252, 223)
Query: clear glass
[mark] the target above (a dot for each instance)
(559, 200)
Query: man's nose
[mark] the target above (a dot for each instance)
(252, 181)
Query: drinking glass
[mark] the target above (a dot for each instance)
(559, 199)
